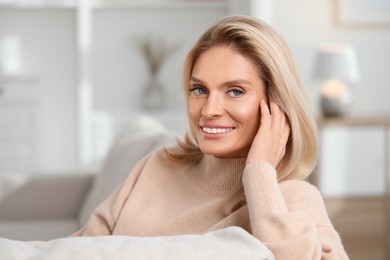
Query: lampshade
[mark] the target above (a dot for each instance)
(336, 60)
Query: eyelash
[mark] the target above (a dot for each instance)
(196, 88)
(241, 92)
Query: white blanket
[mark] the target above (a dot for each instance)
(229, 243)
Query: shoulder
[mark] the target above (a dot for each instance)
(158, 162)
(159, 156)
(151, 159)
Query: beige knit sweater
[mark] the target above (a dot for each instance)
(163, 198)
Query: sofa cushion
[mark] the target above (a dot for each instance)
(137, 139)
(43, 229)
(43, 196)
(228, 243)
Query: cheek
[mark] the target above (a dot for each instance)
(193, 111)
(249, 117)
(249, 114)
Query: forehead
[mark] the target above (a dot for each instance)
(223, 62)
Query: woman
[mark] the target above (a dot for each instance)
(251, 144)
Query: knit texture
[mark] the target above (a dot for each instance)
(163, 198)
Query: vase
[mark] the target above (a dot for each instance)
(153, 97)
(336, 106)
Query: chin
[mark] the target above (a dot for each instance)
(210, 151)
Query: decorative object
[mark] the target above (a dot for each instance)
(153, 95)
(155, 52)
(336, 63)
(362, 12)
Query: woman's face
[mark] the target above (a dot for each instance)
(224, 102)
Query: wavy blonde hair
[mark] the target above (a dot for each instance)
(277, 67)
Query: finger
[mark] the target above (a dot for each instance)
(284, 121)
(276, 114)
(273, 107)
(280, 118)
(265, 112)
(264, 107)
(286, 131)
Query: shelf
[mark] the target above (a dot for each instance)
(112, 4)
(36, 4)
(17, 79)
(160, 4)
(355, 121)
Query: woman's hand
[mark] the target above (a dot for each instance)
(270, 141)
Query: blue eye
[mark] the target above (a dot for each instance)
(235, 92)
(197, 90)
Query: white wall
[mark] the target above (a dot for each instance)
(306, 23)
(48, 52)
(352, 160)
(119, 71)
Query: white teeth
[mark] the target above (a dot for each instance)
(216, 130)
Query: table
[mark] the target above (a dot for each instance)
(383, 122)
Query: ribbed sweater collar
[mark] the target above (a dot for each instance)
(218, 176)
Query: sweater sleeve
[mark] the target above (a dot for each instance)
(289, 217)
(103, 219)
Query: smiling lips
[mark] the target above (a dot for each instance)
(216, 130)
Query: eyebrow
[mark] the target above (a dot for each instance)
(227, 83)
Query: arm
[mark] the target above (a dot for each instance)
(103, 219)
(290, 218)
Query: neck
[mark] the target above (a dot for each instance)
(220, 175)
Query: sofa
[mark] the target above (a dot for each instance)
(45, 206)
(39, 212)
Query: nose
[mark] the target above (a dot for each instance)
(213, 107)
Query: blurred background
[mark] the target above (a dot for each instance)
(73, 73)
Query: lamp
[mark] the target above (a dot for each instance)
(336, 63)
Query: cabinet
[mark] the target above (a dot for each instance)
(17, 134)
(354, 156)
(354, 172)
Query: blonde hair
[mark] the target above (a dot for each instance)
(258, 42)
